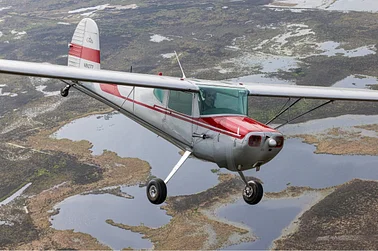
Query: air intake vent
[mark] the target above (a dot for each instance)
(254, 141)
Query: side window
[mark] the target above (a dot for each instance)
(180, 102)
(159, 94)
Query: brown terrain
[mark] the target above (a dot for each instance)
(190, 227)
(345, 219)
(195, 214)
(105, 170)
(340, 141)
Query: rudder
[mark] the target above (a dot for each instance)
(84, 49)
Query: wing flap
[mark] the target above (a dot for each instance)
(98, 76)
(311, 92)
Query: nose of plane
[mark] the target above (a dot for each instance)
(254, 145)
(259, 148)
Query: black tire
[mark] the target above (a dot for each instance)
(156, 191)
(257, 192)
(64, 91)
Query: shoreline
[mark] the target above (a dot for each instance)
(44, 142)
(294, 224)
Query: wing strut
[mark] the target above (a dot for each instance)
(283, 110)
(313, 109)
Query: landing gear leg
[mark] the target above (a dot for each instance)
(253, 191)
(157, 188)
(65, 90)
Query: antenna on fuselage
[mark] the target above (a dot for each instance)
(178, 60)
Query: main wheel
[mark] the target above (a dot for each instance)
(64, 91)
(156, 191)
(253, 193)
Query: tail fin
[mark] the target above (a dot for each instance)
(84, 49)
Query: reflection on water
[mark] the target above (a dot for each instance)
(296, 164)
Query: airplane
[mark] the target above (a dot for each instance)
(206, 119)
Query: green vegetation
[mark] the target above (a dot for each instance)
(21, 229)
(13, 191)
(42, 169)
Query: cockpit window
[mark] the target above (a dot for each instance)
(221, 100)
(159, 94)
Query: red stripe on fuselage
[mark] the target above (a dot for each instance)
(234, 126)
(84, 53)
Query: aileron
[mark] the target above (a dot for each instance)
(294, 91)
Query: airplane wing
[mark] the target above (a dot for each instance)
(164, 82)
(98, 76)
(312, 92)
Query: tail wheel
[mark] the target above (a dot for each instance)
(253, 193)
(64, 91)
(156, 191)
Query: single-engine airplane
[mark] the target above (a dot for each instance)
(206, 119)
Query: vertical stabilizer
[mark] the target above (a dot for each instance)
(84, 49)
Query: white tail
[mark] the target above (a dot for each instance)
(84, 49)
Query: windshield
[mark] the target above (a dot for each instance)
(221, 100)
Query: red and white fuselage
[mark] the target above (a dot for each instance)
(230, 138)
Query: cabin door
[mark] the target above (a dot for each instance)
(178, 118)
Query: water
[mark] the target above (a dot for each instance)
(331, 48)
(331, 5)
(261, 78)
(296, 164)
(268, 63)
(88, 213)
(299, 166)
(267, 220)
(158, 38)
(320, 125)
(355, 5)
(128, 139)
(359, 82)
(6, 223)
